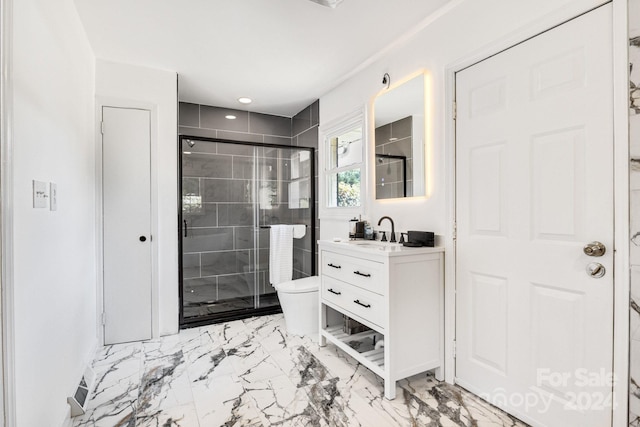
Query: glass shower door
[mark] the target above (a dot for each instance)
(231, 194)
(218, 227)
(270, 209)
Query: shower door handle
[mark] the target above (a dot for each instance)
(186, 232)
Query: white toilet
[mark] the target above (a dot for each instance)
(299, 302)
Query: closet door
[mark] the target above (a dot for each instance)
(126, 183)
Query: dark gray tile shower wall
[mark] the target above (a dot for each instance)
(207, 262)
(304, 132)
(210, 122)
(395, 139)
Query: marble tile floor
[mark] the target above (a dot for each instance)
(252, 373)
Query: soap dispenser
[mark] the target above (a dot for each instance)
(368, 231)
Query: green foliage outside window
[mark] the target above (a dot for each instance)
(349, 188)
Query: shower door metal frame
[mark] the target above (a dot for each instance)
(404, 169)
(245, 313)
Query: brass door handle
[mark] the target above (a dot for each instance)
(594, 249)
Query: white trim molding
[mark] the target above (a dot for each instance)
(7, 329)
(621, 196)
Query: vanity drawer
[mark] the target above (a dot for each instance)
(363, 273)
(365, 304)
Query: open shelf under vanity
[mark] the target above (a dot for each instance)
(372, 359)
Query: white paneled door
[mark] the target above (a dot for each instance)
(126, 163)
(534, 167)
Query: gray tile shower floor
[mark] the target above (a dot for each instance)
(252, 373)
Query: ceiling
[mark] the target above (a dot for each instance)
(284, 54)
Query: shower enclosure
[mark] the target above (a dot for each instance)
(231, 192)
(391, 176)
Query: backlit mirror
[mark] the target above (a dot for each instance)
(399, 140)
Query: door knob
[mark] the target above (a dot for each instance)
(143, 238)
(594, 249)
(595, 270)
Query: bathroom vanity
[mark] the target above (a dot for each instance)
(396, 291)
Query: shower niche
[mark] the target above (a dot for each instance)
(231, 192)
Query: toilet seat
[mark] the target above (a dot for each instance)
(306, 284)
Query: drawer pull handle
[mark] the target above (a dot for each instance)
(362, 274)
(334, 292)
(334, 266)
(364, 305)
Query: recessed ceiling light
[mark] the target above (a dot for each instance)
(244, 100)
(230, 117)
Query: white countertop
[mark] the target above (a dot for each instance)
(374, 247)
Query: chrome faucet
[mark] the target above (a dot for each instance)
(393, 229)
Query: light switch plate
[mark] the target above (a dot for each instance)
(53, 196)
(40, 195)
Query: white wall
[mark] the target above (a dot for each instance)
(54, 252)
(156, 89)
(470, 26)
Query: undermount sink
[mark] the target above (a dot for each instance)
(383, 246)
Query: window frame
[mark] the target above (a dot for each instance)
(355, 119)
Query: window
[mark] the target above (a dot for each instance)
(343, 170)
(343, 167)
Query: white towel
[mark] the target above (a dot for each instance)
(281, 254)
(299, 230)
